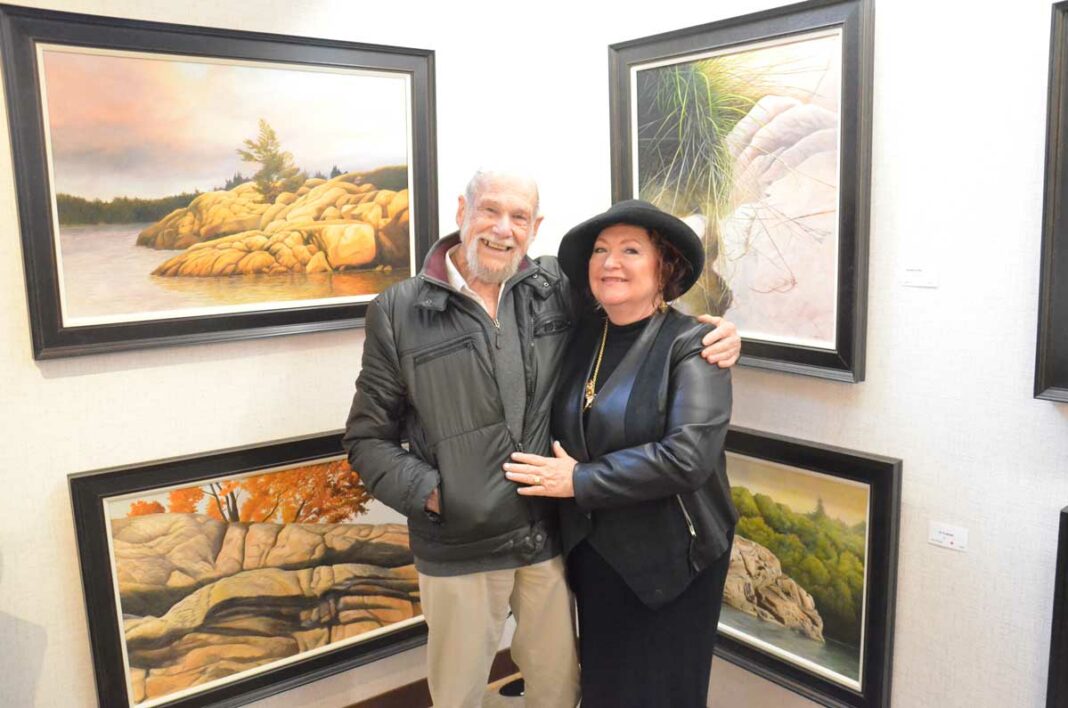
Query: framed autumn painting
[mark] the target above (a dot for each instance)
(223, 578)
(185, 184)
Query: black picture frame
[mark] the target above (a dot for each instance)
(22, 29)
(1057, 682)
(845, 362)
(1051, 355)
(90, 491)
(882, 476)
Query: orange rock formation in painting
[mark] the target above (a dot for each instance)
(203, 599)
(348, 222)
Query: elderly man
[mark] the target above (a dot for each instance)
(461, 362)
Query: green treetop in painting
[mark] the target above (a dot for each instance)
(277, 173)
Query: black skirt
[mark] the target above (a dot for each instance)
(636, 657)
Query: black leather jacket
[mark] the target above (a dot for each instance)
(427, 378)
(651, 490)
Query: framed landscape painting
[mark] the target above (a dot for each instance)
(226, 577)
(756, 131)
(809, 599)
(1051, 358)
(183, 184)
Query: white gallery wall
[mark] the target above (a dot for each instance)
(958, 146)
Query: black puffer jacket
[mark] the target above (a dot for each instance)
(651, 490)
(427, 377)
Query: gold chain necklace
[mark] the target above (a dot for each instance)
(591, 385)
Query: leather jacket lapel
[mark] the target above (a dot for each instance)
(567, 423)
(606, 423)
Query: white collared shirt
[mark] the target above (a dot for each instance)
(457, 281)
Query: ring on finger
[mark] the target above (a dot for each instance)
(537, 480)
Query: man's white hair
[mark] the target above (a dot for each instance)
(483, 175)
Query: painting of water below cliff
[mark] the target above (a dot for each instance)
(797, 580)
(242, 574)
(184, 186)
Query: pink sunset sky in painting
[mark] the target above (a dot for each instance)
(145, 126)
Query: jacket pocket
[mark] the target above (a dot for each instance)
(477, 500)
(452, 388)
(440, 350)
(551, 323)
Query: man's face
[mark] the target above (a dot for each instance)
(497, 227)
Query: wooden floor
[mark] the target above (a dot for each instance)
(417, 695)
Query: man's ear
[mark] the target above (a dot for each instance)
(461, 207)
(534, 228)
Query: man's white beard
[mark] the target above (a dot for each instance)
(486, 273)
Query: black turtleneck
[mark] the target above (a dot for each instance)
(617, 344)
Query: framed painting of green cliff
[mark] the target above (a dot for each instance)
(223, 578)
(1051, 357)
(756, 131)
(809, 599)
(183, 184)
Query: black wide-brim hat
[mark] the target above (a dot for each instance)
(577, 244)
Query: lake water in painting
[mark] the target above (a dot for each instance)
(831, 655)
(106, 277)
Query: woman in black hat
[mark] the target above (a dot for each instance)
(641, 422)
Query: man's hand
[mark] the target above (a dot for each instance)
(433, 502)
(722, 345)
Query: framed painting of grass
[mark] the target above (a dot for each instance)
(809, 598)
(226, 577)
(183, 184)
(756, 131)
(1051, 357)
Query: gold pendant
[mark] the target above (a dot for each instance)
(591, 385)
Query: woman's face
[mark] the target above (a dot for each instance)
(624, 270)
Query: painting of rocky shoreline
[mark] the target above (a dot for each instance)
(797, 579)
(185, 186)
(233, 575)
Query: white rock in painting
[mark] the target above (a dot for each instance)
(779, 248)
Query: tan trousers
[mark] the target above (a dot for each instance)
(466, 615)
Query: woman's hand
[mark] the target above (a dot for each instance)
(547, 476)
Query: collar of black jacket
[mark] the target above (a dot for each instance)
(436, 288)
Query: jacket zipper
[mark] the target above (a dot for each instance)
(693, 534)
(441, 351)
(497, 329)
(686, 514)
(529, 356)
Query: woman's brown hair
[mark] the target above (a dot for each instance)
(674, 268)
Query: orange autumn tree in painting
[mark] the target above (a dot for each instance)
(329, 492)
(140, 508)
